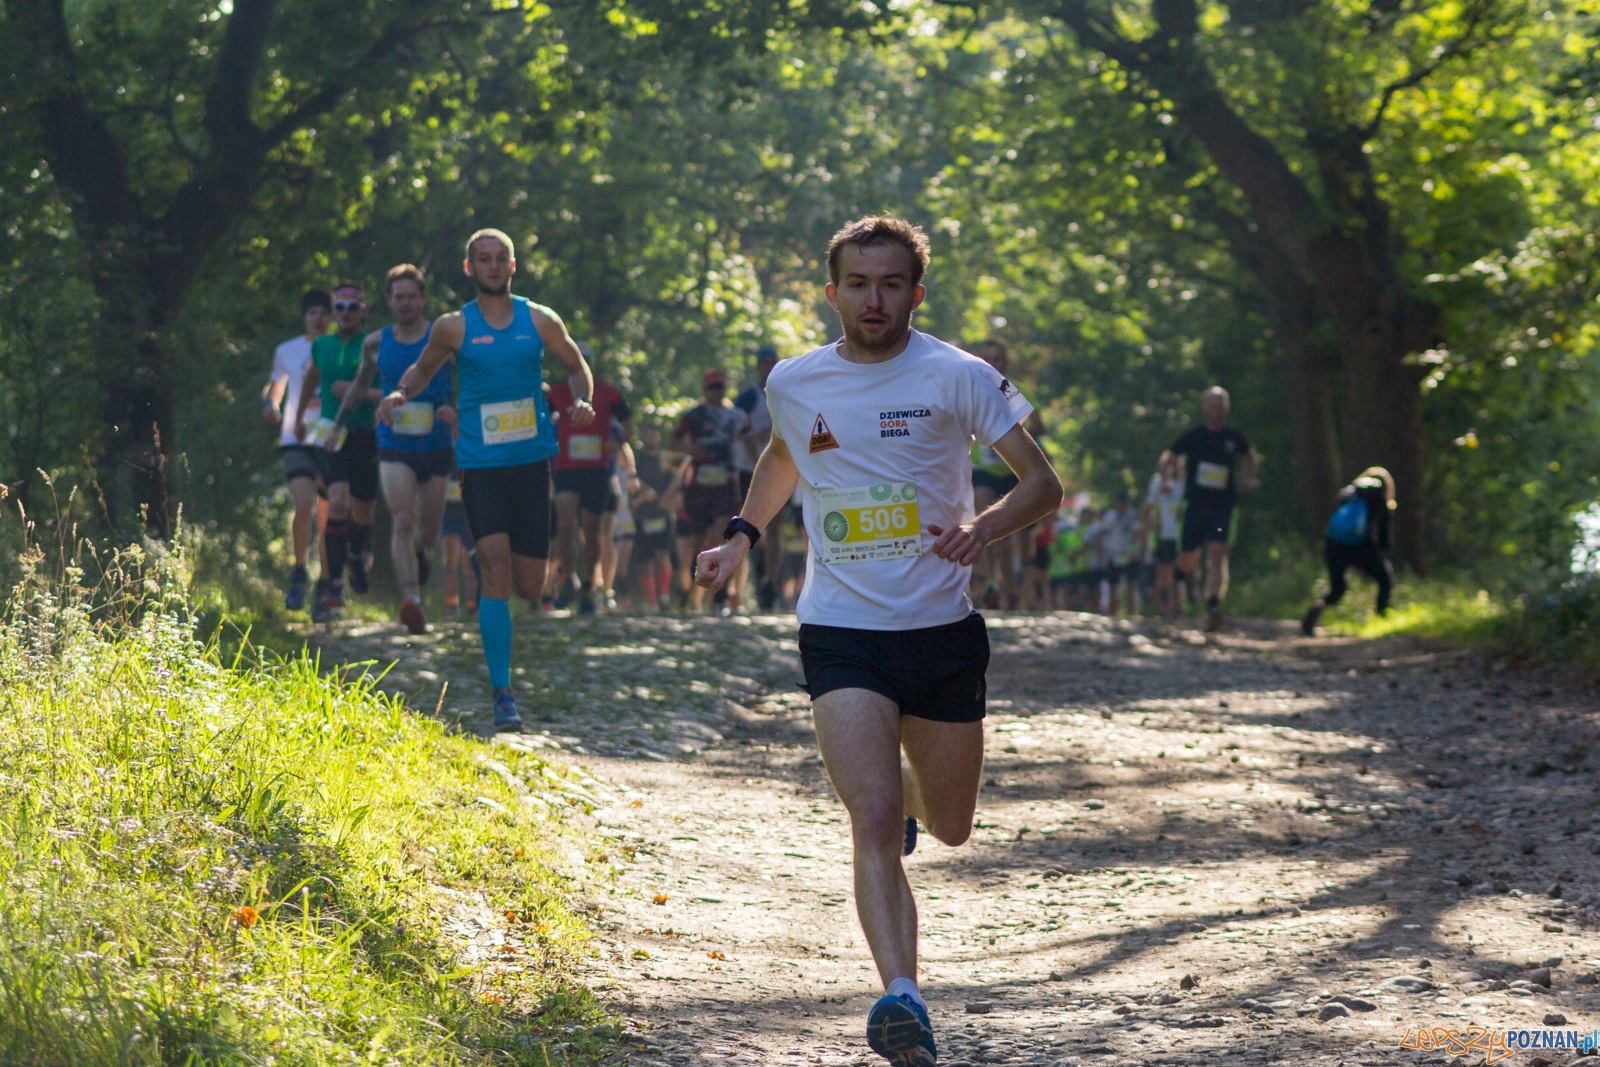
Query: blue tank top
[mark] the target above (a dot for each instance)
(505, 421)
(394, 359)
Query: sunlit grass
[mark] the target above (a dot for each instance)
(208, 862)
(1420, 609)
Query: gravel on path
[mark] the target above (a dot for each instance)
(1189, 846)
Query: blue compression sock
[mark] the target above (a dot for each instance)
(494, 626)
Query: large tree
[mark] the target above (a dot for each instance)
(1285, 103)
(163, 121)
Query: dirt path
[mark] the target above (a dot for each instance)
(1338, 841)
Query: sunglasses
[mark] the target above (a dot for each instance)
(348, 305)
(717, 385)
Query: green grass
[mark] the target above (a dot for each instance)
(1420, 609)
(250, 863)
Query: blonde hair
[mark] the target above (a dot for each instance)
(1386, 478)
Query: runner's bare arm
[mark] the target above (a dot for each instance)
(771, 486)
(1037, 494)
(272, 397)
(358, 390)
(580, 379)
(443, 343)
(308, 389)
(1247, 480)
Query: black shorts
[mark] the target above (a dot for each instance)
(1041, 557)
(356, 463)
(933, 673)
(708, 506)
(1166, 551)
(455, 525)
(651, 534)
(1000, 483)
(299, 461)
(745, 478)
(513, 501)
(1204, 523)
(593, 486)
(434, 463)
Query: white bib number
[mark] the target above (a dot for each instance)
(712, 477)
(326, 436)
(509, 421)
(452, 492)
(1210, 475)
(655, 525)
(583, 446)
(414, 419)
(868, 523)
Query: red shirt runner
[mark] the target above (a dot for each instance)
(583, 447)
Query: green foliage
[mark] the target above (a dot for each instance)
(211, 862)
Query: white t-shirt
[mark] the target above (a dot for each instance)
(1118, 531)
(1167, 504)
(861, 434)
(753, 402)
(289, 364)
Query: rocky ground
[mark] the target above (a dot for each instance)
(1189, 847)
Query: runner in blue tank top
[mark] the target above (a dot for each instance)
(498, 343)
(415, 451)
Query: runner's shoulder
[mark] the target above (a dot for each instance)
(538, 310)
(451, 327)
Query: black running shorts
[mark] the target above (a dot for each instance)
(513, 501)
(1166, 551)
(1205, 523)
(999, 484)
(434, 463)
(933, 673)
(593, 486)
(299, 461)
(356, 463)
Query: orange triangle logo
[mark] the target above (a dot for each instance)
(821, 437)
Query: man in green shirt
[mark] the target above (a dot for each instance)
(347, 458)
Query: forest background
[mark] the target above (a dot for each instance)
(1372, 220)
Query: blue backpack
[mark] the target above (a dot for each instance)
(1349, 524)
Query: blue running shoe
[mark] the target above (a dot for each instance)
(911, 835)
(898, 1030)
(294, 598)
(505, 710)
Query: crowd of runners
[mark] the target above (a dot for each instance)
(886, 485)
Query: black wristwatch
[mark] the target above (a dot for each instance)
(738, 525)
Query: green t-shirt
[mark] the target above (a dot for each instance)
(338, 361)
(1065, 553)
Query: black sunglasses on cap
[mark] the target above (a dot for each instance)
(348, 305)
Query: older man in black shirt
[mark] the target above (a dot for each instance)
(1206, 456)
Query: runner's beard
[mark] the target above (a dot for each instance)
(897, 334)
(484, 290)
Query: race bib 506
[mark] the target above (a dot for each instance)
(869, 522)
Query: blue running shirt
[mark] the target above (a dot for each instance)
(415, 429)
(505, 421)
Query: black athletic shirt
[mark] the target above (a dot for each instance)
(1372, 492)
(1211, 455)
(649, 470)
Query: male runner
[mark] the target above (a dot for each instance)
(655, 505)
(1203, 457)
(281, 396)
(893, 653)
(416, 454)
(753, 402)
(506, 442)
(347, 454)
(709, 432)
(582, 473)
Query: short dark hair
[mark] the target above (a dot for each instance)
(403, 271)
(882, 229)
(316, 298)
(498, 235)
(996, 343)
